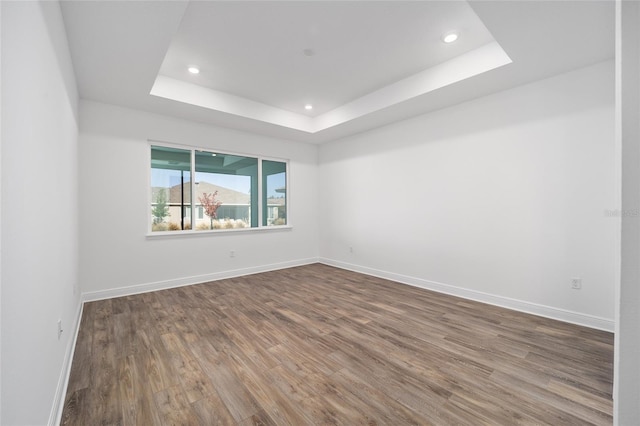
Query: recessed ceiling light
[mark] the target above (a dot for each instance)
(194, 70)
(450, 37)
(308, 107)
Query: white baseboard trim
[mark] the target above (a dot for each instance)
(505, 302)
(196, 279)
(55, 417)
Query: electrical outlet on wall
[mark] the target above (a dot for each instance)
(232, 253)
(576, 283)
(59, 328)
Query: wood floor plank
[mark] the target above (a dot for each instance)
(75, 410)
(138, 406)
(261, 418)
(320, 345)
(237, 398)
(155, 362)
(211, 410)
(274, 403)
(174, 408)
(190, 373)
(585, 398)
(103, 397)
(390, 410)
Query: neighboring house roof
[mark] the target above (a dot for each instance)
(226, 195)
(280, 201)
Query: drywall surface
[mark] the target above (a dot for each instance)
(118, 257)
(39, 211)
(626, 392)
(503, 199)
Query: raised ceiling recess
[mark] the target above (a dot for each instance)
(267, 60)
(359, 64)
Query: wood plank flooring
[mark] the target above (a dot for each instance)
(320, 345)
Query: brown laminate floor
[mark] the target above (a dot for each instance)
(320, 345)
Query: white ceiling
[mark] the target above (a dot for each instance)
(256, 50)
(374, 62)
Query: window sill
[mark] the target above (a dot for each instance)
(192, 233)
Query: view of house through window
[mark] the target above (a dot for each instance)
(170, 189)
(274, 193)
(226, 190)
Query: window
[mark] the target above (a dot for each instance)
(226, 188)
(229, 191)
(170, 189)
(274, 193)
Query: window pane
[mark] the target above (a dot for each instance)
(274, 193)
(226, 190)
(170, 189)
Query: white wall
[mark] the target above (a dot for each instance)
(626, 393)
(500, 199)
(39, 210)
(0, 216)
(117, 257)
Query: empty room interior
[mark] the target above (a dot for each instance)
(318, 212)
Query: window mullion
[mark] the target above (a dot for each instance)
(193, 189)
(260, 207)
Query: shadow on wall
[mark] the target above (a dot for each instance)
(49, 12)
(498, 110)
